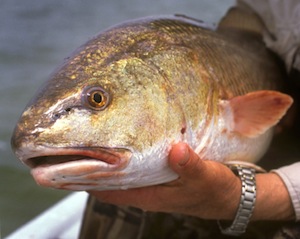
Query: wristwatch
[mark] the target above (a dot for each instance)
(247, 201)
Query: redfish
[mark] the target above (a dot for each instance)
(108, 116)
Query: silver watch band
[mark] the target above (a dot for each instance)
(247, 202)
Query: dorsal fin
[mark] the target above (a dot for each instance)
(242, 18)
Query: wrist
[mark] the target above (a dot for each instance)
(246, 203)
(226, 194)
(232, 199)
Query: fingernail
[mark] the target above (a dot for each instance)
(185, 157)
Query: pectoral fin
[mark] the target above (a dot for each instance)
(254, 113)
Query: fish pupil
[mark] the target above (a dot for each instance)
(97, 98)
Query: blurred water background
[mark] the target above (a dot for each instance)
(35, 36)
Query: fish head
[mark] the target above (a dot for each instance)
(96, 122)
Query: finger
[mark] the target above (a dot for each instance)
(179, 155)
(185, 162)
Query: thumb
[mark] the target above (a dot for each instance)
(185, 162)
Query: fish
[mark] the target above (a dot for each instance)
(108, 116)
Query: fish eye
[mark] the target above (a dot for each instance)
(96, 98)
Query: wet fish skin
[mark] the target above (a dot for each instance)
(161, 81)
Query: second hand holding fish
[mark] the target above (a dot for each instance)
(205, 189)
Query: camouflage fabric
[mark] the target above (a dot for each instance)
(105, 221)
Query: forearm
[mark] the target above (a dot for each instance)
(273, 201)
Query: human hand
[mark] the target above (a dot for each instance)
(206, 189)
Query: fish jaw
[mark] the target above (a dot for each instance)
(75, 168)
(99, 169)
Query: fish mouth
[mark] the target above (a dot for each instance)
(49, 156)
(76, 169)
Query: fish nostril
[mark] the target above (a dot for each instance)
(60, 113)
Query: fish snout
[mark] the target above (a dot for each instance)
(18, 142)
(22, 138)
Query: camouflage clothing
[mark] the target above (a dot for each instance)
(105, 221)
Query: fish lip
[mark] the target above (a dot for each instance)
(82, 168)
(41, 156)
